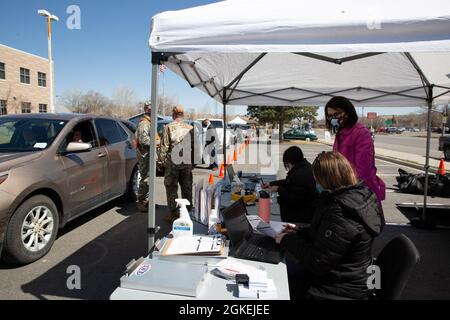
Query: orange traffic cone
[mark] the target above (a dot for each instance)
(222, 171)
(235, 155)
(211, 179)
(441, 169)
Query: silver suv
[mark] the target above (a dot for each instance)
(54, 168)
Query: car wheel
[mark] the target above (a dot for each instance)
(447, 152)
(133, 185)
(31, 230)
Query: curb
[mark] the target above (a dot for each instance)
(395, 160)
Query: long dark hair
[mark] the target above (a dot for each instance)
(292, 156)
(345, 105)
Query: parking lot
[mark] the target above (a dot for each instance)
(103, 241)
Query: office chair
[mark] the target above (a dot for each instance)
(396, 262)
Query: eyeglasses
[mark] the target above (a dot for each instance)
(338, 115)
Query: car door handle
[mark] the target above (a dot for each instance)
(102, 155)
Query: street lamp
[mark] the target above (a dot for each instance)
(50, 18)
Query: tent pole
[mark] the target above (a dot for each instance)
(152, 229)
(224, 142)
(427, 159)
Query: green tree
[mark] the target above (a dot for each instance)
(281, 115)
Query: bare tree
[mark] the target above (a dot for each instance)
(91, 102)
(124, 102)
(72, 100)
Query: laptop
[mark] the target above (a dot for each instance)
(246, 243)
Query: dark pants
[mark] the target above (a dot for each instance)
(178, 175)
(299, 280)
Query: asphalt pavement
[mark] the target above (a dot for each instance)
(104, 240)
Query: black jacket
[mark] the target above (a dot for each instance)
(336, 249)
(297, 193)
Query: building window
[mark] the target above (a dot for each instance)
(25, 75)
(42, 79)
(2, 71)
(26, 107)
(3, 109)
(42, 108)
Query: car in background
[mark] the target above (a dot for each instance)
(137, 118)
(444, 146)
(392, 130)
(299, 134)
(53, 169)
(219, 126)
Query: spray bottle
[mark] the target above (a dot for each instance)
(183, 226)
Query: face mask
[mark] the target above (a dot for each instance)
(336, 123)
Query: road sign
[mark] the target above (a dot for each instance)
(388, 122)
(371, 115)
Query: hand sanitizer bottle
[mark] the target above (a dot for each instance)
(183, 226)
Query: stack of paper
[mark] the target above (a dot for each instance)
(259, 287)
(255, 292)
(194, 245)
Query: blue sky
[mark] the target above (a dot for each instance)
(111, 49)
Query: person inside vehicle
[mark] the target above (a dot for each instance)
(333, 254)
(29, 138)
(355, 142)
(297, 193)
(77, 136)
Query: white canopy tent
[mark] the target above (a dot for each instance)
(238, 120)
(293, 52)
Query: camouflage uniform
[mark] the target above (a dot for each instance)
(143, 156)
(178, 138)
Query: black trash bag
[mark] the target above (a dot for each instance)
(438, 185)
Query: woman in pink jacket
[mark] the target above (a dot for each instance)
(355, 142)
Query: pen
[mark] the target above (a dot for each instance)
(199, 240)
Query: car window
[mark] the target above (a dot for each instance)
(130, 125)
(217, 124)
(108, 132)
(122, 132)
(27, 135)
(82, 132)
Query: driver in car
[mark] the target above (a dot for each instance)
(29, 138)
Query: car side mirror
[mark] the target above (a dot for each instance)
(74, 147)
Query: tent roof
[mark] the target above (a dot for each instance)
(296, 53)
(237, 120)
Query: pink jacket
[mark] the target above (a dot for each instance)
(356, 145)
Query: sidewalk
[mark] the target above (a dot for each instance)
(401, 158)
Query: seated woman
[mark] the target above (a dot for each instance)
(297, 193)
(335, 252)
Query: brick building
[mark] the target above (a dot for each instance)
(24, 82)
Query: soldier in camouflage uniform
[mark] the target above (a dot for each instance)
(176, 152)
(143, 156)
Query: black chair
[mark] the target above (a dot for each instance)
(396, 262)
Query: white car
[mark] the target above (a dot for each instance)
(218, 125)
